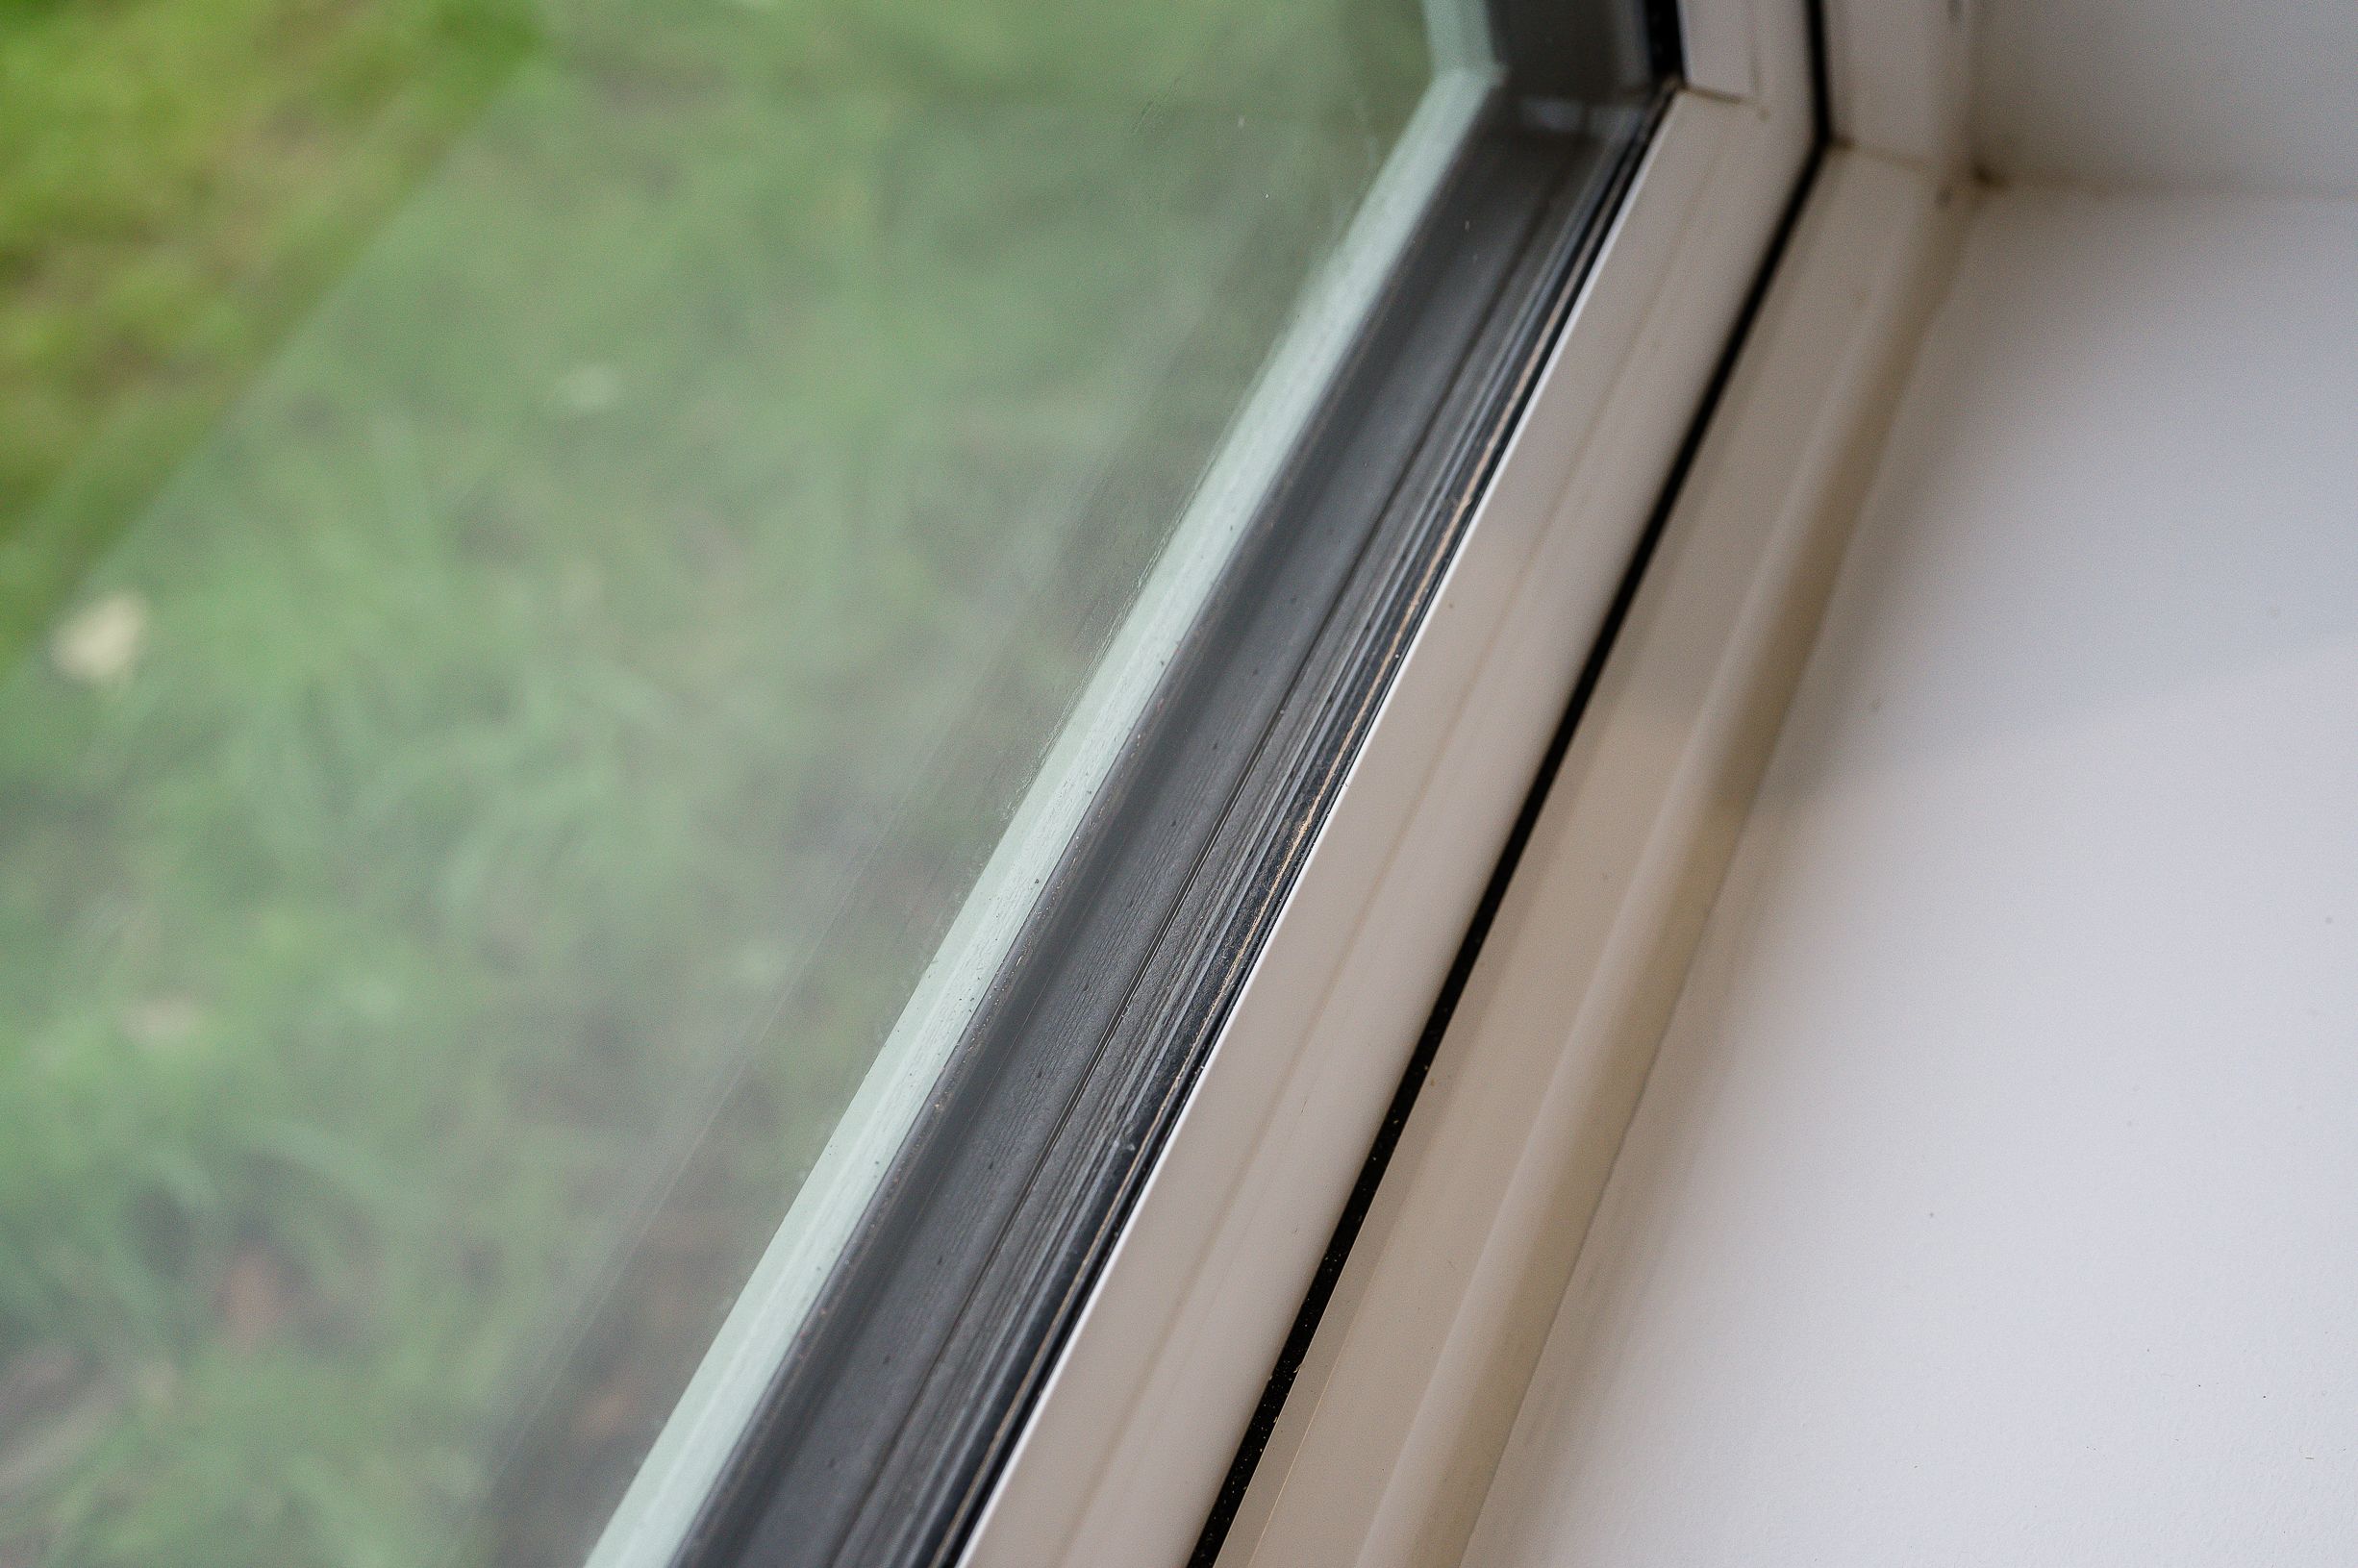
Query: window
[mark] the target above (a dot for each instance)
(660, 661)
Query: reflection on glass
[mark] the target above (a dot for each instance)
(539, 549)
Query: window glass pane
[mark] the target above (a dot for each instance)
(542, 548)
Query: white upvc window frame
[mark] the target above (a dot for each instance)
(1406, 1406)
(1123, 1455)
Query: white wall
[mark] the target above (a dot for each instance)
(2206, 94)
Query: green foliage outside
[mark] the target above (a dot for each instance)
(537, 550)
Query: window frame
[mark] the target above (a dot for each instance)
(1142, 1417)
(1117, 1412)
(971, 1267)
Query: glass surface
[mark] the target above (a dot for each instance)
(541, 549)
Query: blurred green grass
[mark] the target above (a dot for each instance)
(538, 549)
(178, 180)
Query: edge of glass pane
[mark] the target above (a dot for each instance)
(1457, 33)
(702, 1432)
